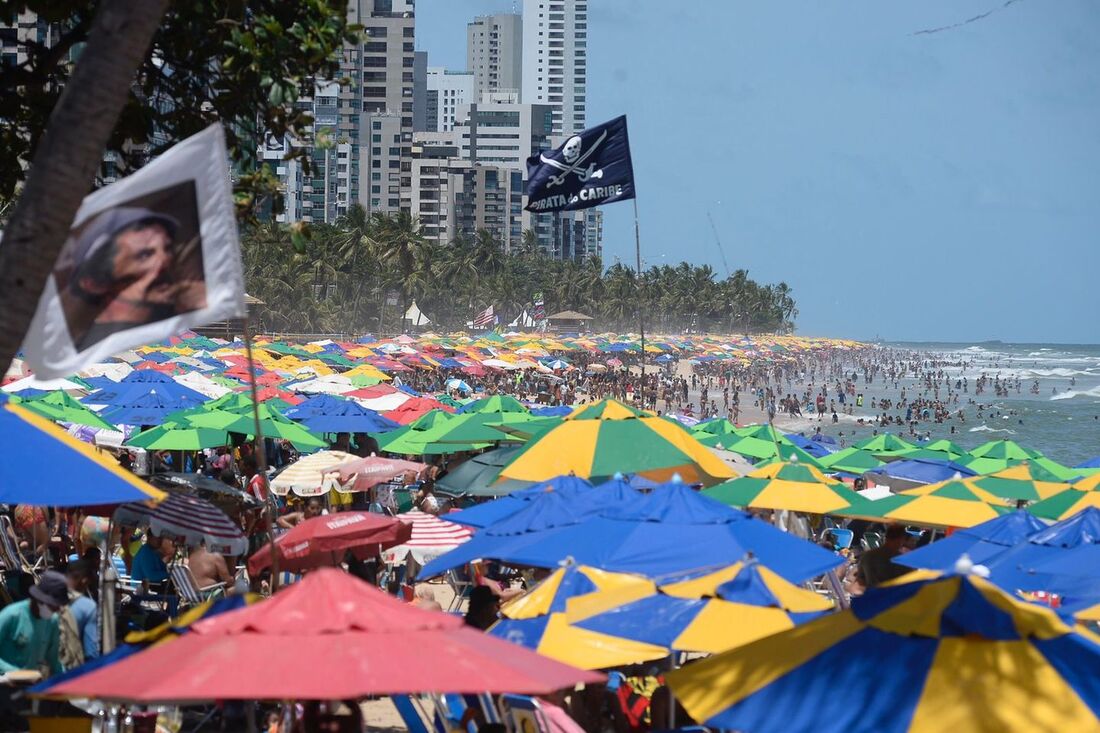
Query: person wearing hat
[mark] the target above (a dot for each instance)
(122, 274)
(29, 629)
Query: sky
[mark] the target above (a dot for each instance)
(910, 186)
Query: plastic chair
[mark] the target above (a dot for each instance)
(460, 587)
(521, 713)
(841, 538)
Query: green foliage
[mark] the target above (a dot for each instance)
(336, 281)
(244, 62)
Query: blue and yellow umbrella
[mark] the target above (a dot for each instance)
(76, 473)
(925, 652)
(722, 610)
(540, 619)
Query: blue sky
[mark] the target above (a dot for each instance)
(937, 186)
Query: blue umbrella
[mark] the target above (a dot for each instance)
(458, 384)
(128, 391)
(1090, 463)
(1055, 559)
(322, 404)
(150, 408)
(981, 542)
(491, 512)
(343, 416)
(917, 472)
(75, 473)
(556, 411)
(814, 447)
(671, 530)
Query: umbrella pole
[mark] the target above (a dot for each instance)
(641, 303)
(258, 450)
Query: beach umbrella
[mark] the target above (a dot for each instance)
(945, 446)
(924, 652)
(186, 520)
(60, 407)
(1078, 496)
(414, 408)
(538, 620)
(1091, 463)
(791, 486)
(229, 499)
(363, 474)
(476, 476)
(724, 609)
(489, 513)
(606, 438)
(323, 540)
(913, 472)
(980, 542)
(670, 530)
(953, 503)
(349, 417)
(1058, 558)
(850, 460)
(416, 438)
(791, 454)
(77, 474)
(328, 637)
(152, 407)
(459, 384)
(174, 436)
(272, 423)
(495, 403)
(1004, 450)
(886, 443)
(1022, 482)
(311, 475)
(431, 537)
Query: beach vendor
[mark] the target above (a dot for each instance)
(29, 630)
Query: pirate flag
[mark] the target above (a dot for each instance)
(589, 169)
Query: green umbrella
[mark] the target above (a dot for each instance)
(946, 446)
(720, 427)
(525, 430)
(477, 476)
(741, 444)
(764, 432)
(1006, 450)
(172, 436)
(791, 453)
(409, 439)
(447, 400)
(273, 423)
(495, 403)
(850, 460)
(923, 454)
(477, 427)
(60, 407)
(886, 443)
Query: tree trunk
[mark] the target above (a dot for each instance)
(68, 156)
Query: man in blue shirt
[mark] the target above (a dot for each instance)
(29, 639)
(148, 563)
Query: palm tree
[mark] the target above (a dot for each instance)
(397, 242)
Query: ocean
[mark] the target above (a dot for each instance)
(1062, 419)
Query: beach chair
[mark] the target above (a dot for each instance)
(189, 592)
(871, 540)
(125, 582)
(461, 590)
(13, 558)
(523, 714)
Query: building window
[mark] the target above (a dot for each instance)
(376, 32)
(375, 47)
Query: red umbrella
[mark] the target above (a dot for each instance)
(371, 471)
(329, 637)
(323, 540)
(475, 370)
(414, 408)
(369, 393)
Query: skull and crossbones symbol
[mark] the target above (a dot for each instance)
(574, 156)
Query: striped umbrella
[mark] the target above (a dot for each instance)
(186, 520)
(790, 486)
(953, 503)
(311, 476)
(600, 440)
(1085, 493)
(431, 537)
(924, 652)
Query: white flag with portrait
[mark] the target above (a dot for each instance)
(147, 257)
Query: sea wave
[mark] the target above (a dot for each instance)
(987, 429)
(1069, 394)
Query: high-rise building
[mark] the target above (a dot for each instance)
(494, 53)
(447, 91)
(555, 59)
(502, 132)
(24, 31)
(420, 91)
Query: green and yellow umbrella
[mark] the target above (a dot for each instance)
(1023, 482)
(495, 403)
(600, 440)
(1078, 496)
(925, 652)
(411, 439)
(1006, 450)
(952, 503)
(791, 486)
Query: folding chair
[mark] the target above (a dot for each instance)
(841, 538)
(461, 590)
(871, 540)
(186, 587)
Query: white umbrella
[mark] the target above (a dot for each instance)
(312, 475)
(431, 537)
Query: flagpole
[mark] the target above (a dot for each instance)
(641, 305)
(258, 451)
